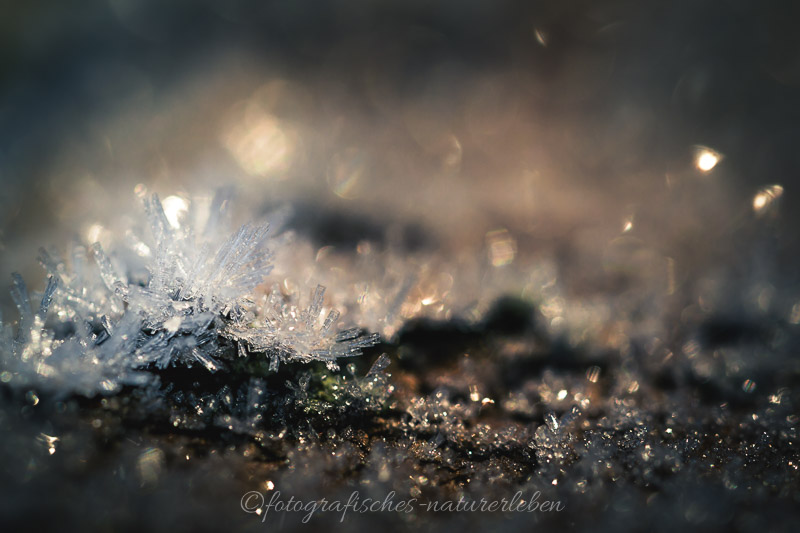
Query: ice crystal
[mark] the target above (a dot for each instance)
(287, 333)
(186, 294)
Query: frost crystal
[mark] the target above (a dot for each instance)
(186, 294)
(287, 333)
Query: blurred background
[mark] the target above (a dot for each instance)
(623, 139)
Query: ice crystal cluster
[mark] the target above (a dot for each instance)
(187, 291)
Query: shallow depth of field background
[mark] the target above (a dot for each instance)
(565, 128)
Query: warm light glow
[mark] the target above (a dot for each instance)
(93, 233)
(627, 226)
(766, 196)
(502, 247)
(259, 143)
(541, 36)
(706, 159)
(50, 442)
(174, 208)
